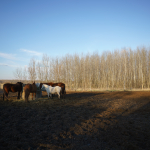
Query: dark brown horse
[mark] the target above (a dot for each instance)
(30, 88)
(60, 84)
(8, 87)
(50, 83)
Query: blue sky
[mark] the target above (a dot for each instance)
(31, 28)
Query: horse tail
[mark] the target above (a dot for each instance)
(5, 95)
(64, 91)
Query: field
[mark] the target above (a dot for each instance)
(83, 120)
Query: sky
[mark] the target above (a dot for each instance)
(31, 28)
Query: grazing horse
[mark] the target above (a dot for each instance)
(8, 87)
(30, 88)
(60, 84)
(52, 90)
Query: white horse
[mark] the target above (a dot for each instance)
(52, 90)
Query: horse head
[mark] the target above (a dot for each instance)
(34, 87)
(20, 84)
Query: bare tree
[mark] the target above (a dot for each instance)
(32, 69)
(18, 73)
(119, 69)
(45, 63)
(24, 74)
(40, 72)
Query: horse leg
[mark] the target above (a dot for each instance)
(26, 100)
(32, 96)
(64, 94)
(6, 95)
(35, 95)
(21, 94)
(26, 96)
(18, 95)
(60, 92)
(58, 95)
(50, 95)
(3, 94)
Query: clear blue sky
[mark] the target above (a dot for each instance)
(31, 28)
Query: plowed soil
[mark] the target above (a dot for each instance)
(81, 121)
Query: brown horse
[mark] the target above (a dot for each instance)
(50, 83)
(60, 84)
(8, 87)
(30, 88)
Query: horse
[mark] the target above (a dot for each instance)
(37, 85)
(30, 88)
(52, 90)
(60, 84)
(8, 87)
(50, 83)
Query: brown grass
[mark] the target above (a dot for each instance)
(83, 120)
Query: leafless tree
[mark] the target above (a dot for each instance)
(124, 69)
(18, 73)
(32, 70)
(25, 74)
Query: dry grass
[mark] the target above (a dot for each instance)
(83, 120)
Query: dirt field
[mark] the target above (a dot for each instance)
(82, 121)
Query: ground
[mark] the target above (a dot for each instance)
(118, 120)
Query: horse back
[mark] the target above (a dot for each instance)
(60, 84)
(50, 84)
(8, 87)
(30, 88)
(27, 87)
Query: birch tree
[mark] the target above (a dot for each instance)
(32, 69)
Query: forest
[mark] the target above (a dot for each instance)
(120, 69)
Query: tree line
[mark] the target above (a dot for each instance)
(126, 69)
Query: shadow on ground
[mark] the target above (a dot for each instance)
(93, 120)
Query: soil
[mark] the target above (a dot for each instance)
(118, 120)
